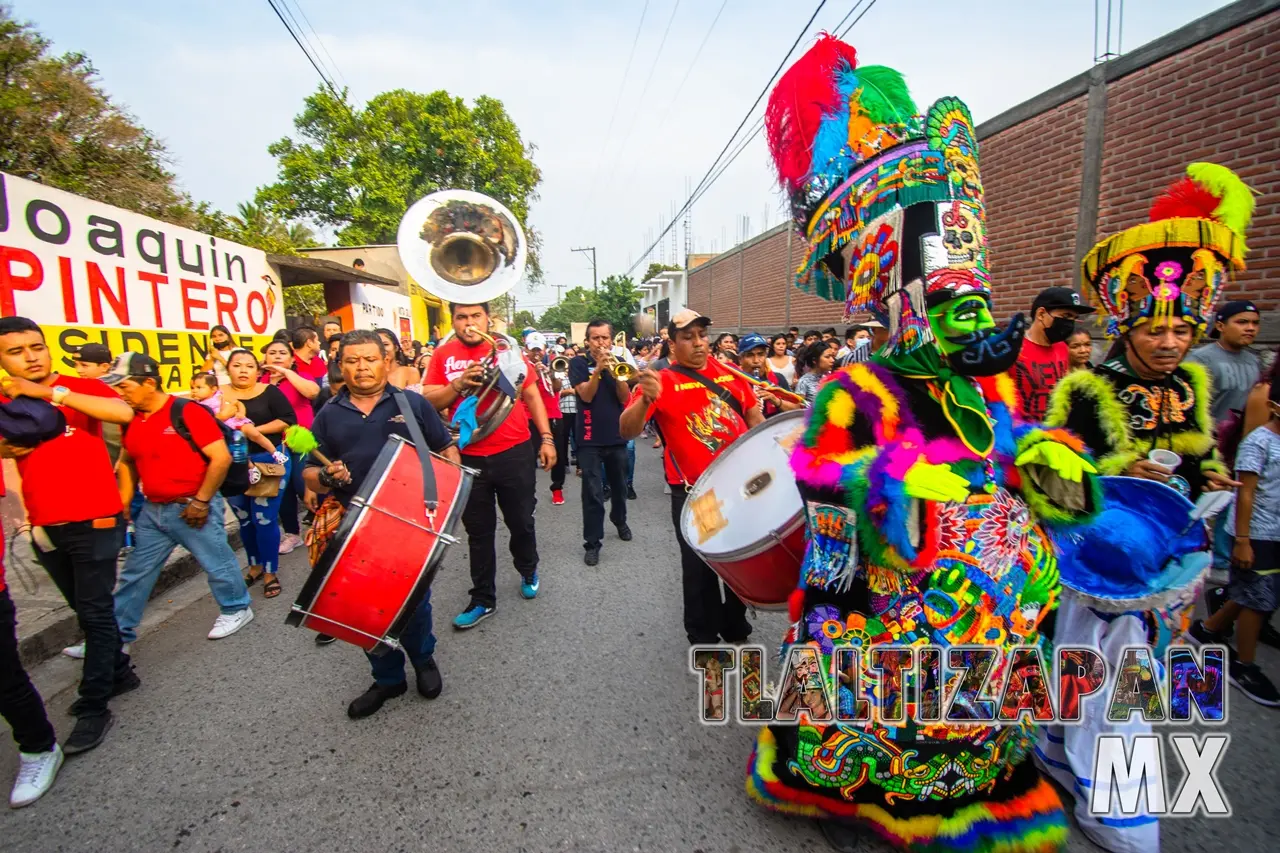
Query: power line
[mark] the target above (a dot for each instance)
(305, 52)
(331, 64)
(759, 124)
(635, 112)
(738, 129)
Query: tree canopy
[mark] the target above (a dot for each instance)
(656, 269)
(617, 301)
(61, 128)
(358, 170)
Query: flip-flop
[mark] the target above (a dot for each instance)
(250, 578)
(271, 588)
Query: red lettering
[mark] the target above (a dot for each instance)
(68, 291)
(11, 281)
(256, 299)
(156, 280)
(98, 288)
(226, 299)
(188, 303)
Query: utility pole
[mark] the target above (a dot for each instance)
(595, 279)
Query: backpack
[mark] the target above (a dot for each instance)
(237, 480)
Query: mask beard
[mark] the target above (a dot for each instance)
(1060, 329)
(990, 351)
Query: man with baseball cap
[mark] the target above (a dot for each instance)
(700, 406)
(1044, 358)
(175, 449)
(1232, 364)
(753, 351)
(74, 513)
(92, 361)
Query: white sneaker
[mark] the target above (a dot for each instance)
(290, 543)
(77, 651)
(36, 773)
(228, 623)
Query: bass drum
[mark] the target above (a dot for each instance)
(379, 565)
(745, 517)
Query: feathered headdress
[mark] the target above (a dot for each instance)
(1178, 263)
(890, 201)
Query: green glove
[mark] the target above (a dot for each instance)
(1059, 458)
(930, 482)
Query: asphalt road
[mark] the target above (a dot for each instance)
(566, 723)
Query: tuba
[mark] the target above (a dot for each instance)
(467, 248)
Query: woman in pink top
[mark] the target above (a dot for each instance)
(277, 369)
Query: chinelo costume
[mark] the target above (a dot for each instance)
(1131, 577)
(924, 494)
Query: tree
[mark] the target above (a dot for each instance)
(525, 319)
(60, 128)
(616, 302)
(359, 170)
(575, 307)
(657, 269)
(254, 225)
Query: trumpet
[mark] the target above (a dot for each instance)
(560, 365)
(622, 370)
(770, 387)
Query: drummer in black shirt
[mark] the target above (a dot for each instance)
(351, 430)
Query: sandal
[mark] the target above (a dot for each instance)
(251, 577)
(271, 588)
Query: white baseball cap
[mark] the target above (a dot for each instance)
(535, 340)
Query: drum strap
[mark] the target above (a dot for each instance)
(429, 496)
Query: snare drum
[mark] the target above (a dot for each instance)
(745, 518)
(379, 565)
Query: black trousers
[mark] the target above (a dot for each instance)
(708, 617)
(20, 704)
(83, 565)
(614, 460)
(509, 478)
(561, 436)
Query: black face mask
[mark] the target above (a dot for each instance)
(1060, 329)
(990, 351)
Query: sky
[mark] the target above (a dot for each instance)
(619, 146)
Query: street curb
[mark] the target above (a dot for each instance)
(60, 629)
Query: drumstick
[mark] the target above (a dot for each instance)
(302, 441)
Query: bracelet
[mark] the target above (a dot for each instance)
(199, 501)
(548, 440)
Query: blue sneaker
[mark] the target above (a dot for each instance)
(472, 616)
(529, 589)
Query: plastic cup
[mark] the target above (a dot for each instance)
(1165, 459)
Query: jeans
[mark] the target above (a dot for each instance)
(160, 529)
(83, 565)
(613, 461)
(561, 436)
(20, 704)
(570, 421)
(631, 466)
(292, 488)
(418, 642)
(707, 617)
(510, 478)
(258, 516)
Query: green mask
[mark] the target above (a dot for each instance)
(959, 318)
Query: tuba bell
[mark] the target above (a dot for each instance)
(467, 248)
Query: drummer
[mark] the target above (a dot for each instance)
(753, 351)
(351, 430)
(700, 407)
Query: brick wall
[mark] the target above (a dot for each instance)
(1031, 182)
(1217, 99)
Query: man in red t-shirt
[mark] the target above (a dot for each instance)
(696, 425)
(180, 476)
(305, 343)
(504, 460)
(1044, 358)
(74, 512)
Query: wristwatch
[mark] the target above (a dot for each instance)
(60, 393)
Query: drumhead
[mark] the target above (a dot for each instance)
(748, 494)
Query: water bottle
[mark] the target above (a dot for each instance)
(239, 449)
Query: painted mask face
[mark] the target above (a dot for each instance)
(968, 336)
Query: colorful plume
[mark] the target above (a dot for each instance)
(1209, 191)
(805, 95)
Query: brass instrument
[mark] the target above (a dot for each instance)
(560, 365)
(467, 248)
(621, 369)
(770, 387)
